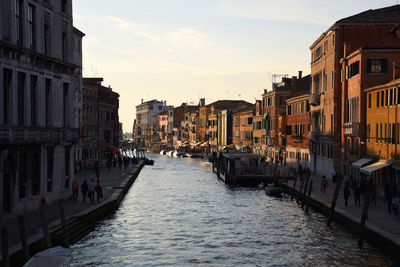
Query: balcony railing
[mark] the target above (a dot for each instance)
(352, 128)
(297, 138)
(314, 99)
(38, 135)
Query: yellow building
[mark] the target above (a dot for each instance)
(382, 133)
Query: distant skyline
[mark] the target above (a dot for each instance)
(183, 50)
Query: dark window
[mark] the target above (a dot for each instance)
(21, 98)
(7, 76)
(382, 98)
(66, 109)
(50, 164)
(249, 120)
(376, 65)
(64, 45)
(49, 103)
(64, 5)
(32, 25)
(150, 107)
(391, 97)
(47, 34)
(19, 21)
(67, 166)
(369, 100)
(35, 172)
(353, 69)
(387, 96)
(22, 175)
(377, 99)
(33, 100)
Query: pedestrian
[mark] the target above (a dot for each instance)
(92, 187)
(347, 194)
(357, 195)
(75, 190)
(99, 192)
(84, 190)
(119, 162)
(324, 183)
(334, 176)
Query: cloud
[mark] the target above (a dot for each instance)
(131, 27)
(187, 38)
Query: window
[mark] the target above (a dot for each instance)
(21, 98)
(49, 103)
(33, 100)
(7, 76)
(380, 133)
(31, 26)
(369, 100)
(35, 174)
(159, 107)
(353, 69)
(382, 98)
(64, 36)
(22, 173)
(50, 164)
(67, 166)
(47, 34)
(391, 97)
(64, 5)
(19, 21)
(249, 120)
(378, 65)
(387, 96)
(150, 107)
(377, 99)
(66, 109)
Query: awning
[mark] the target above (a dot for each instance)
(258, 148)
(265, 115)
(240, 147)
(361, 162)
(374, 167)
(114, 149)
(278, 150)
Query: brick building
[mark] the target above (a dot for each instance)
(243, 128)
(297, 129)
(326, 94)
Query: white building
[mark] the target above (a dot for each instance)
(144, 120)
(40, 102)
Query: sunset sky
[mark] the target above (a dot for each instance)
(182, 50)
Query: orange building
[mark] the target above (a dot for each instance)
(257, 128)
(343, 38)
(297, 128)
(243, 128)
(383, 133)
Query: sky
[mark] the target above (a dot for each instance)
(184, 50)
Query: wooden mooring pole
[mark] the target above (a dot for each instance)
(22, 233)
(4, 248)
(43, 219)
(305, 191)
(335, 196)
(310, 189)
(63, 222)
(294, 188)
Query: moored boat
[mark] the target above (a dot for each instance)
(52, 257)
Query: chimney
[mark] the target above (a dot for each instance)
(300, 74)
(142, 101)
(202, 102)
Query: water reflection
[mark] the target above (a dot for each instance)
(178, 214)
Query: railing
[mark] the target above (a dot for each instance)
(38, 135)
(314, 99)
(352, 128)
(297, 138)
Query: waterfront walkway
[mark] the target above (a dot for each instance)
(379, 219)
(112, 181)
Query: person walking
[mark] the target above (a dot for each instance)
(300, 172)
(84, 190)
(99, 192)
(92, 187)
(324, 183)
(347, 194)
(75, 190)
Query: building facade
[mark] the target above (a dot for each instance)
(40, 72)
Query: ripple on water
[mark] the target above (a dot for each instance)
(178, 214)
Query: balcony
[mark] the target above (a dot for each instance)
(38, 135)
(264, 132)
(352, 128)
(314, 99)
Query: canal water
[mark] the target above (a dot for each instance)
(178, 213)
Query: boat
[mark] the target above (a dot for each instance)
(52, 257)
(273, 191)
(162, 152)
(178, 154)
(170, 153)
